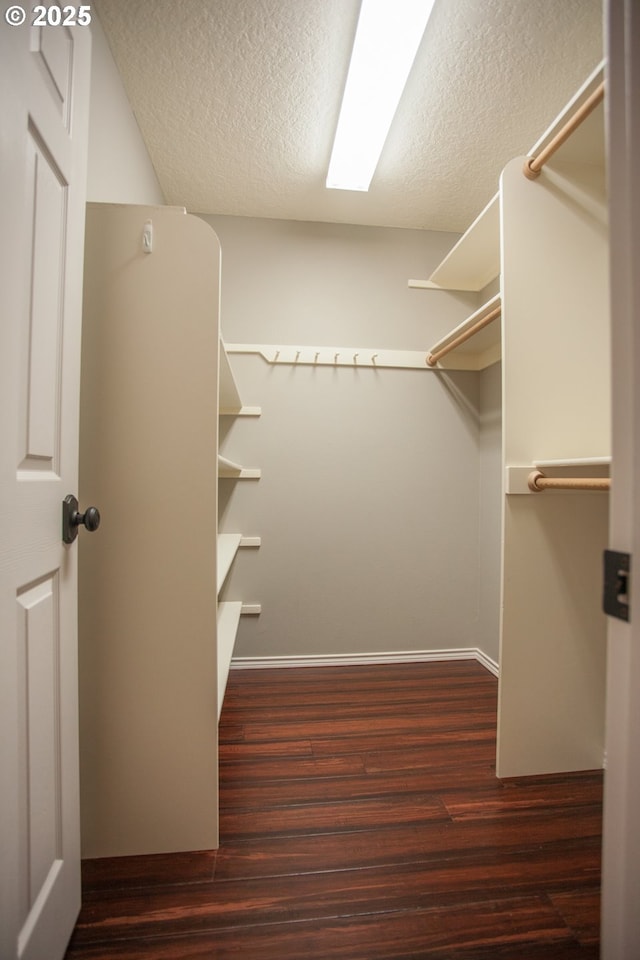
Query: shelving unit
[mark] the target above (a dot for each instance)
(150, 678)
(157, 633)
(556, 385)
(547, 240)
(229, 611)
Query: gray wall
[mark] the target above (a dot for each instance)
(377, 505)
(369, 506)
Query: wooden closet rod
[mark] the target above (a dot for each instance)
(539, 482)
(533, 165)
(433, 358)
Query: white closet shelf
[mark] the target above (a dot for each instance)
(576, 462)
(227, 469)
(517, 476)
(227, 620)
(240, 412)
(475, 259)
(481, 349)
(228, 544)
(230, 404)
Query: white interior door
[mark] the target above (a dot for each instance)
(621, 854)
(44, 86)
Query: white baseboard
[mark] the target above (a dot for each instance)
(354, 659)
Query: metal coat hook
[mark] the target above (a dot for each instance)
(275, 359)
(316, 357)
(335, 359)
(297, 355)
(355, 357)
(147, 237)
(373, 358)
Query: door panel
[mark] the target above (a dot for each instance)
(40, 378)
(38, 641)
(44, 86)
(620, 932)
(55, 50)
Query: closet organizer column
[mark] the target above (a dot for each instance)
(556, 371)
(147, 598)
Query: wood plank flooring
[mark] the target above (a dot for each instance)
(361, 819)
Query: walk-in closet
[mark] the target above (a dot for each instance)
(319, 485)
(330, 442)
(320, 446)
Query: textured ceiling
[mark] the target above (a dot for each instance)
(238, 100)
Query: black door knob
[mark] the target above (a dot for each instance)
(72, 518)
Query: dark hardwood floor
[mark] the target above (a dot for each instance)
(361, 819)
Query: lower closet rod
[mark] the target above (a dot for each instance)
(533, 165)
(434, 356)
(539, 482)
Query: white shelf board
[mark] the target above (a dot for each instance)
(573, 462)
(230, 404)
(241, 412)
(227, 469)
(475, 259)
(480, 350)
(228, 544)
(229, 394)
(227, 621)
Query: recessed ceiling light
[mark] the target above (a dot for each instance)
(387, 39)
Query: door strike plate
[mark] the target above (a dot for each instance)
(617, 573)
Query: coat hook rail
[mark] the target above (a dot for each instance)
(533, 165)
(355, 357)
(538, 482)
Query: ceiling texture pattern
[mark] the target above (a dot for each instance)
(238, 101)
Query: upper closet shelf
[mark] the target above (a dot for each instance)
(475, 260)
(474, 344)
(573, 462)
(230, 403)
